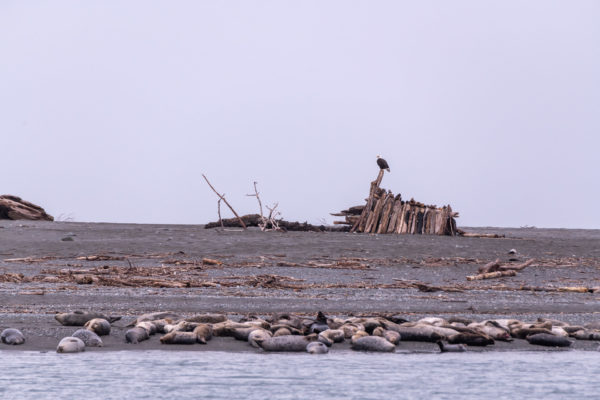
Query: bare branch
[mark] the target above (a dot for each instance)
(225, 201)
(263, 224)
(219, 211)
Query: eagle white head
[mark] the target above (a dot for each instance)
(378, 156)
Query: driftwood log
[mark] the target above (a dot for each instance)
(13, 207)
(257, 220)
(386, 213)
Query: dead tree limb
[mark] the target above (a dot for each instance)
(490, 267)
(518, 267)
(219, 212)
(263, 224)
(491, 275)
(225, 201)
(272, 217)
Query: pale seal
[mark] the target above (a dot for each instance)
(148, 326)
(373, 343)
(89, 338)
(12, 336)
(257, 335)
(154, 316)
(99, 326)
(283, 343)
(586, 334)
(316, 348)
(70, 345)
(178, 337)
(392, 337)
(203, 333)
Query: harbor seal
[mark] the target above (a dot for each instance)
(89, 338)
(392, 337)
(154, 316)
(320, 324)
(282, 332)
(207, 318)
(12, 336)
(585, 334)
(283, 343)
(258, 334)
(178, 337)
(79, 318)
(378, 331)
(149, 326)
(203, 333)
(546, 339)
(470, 339)
(70, 345)
(358, 335)
(136, 335)
(420, 333)
(316, 348)
(373, 343)
(451, 348)
(99, 326)
(334, 335)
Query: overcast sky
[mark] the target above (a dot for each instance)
(111, 110)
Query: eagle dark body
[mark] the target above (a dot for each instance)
(383, 164)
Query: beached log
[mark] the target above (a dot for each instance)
(371, 225)
(13, 207)
(490, 267)
(491, 275)
(384, 213)
(397, 206)
(518, 267)
(384, 221)
(479, 235)
(364, 214)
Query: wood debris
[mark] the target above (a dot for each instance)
(386, 213)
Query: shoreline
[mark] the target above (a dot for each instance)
(260, 273)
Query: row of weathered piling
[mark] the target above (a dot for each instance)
(386, 213)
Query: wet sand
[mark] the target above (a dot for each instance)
(265, 272)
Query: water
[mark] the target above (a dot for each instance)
(342, 375)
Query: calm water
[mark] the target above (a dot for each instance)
(347, 375)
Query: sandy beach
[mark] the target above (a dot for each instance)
(131, 269)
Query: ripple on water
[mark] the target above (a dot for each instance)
(344, 375)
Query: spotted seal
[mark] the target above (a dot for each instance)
(203, 333)
(89, 338)
(451, 348)
(258, 335)
(136, 335)
(12, 336)
(283, 343)
(79, 318)
(316, 348)
(178, 337)
(373, 343)
(70, 344)
(99, 326)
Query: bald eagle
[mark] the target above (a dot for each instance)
(383, 164)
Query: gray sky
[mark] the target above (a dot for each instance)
(111, 110)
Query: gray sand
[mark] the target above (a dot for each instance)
(266, 272)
